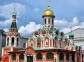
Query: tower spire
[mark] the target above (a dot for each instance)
(13, 27)
(14, 12)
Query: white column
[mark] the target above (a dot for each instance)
(70, 58)
(64, 57)
(44, 58)
(17, 57)
(54, 58)
(43, 44)
(49, 43)
(6, 41)
(25, 58)
(10, 41)
(34, 58)
(80, 57)
(57, 57)
(15, 41)
(47, 21)
(52, 43)
(2, 52)
(51, 22)
(9, 58)
(75, 57)
(26, 44)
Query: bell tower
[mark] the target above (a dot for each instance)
(12, 37)
(48, 18)
(12, 40)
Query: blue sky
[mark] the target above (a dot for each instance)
(29, 14)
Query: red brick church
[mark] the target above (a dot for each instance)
(46, 45)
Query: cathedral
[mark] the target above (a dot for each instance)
(47, 44)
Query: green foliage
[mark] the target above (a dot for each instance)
(21, 57)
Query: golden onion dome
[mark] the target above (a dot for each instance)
(48, 12)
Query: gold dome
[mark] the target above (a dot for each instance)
(48, 12)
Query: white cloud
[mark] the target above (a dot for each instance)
(66, 25)
(74, 22)
(29, 28)
(60, 23)
(5, 23)
(36, 10)
(7, 10)
(63, 25)
(6, 30)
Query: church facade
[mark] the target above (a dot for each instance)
(46, 45)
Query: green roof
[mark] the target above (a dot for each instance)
(71, 36)
(13, 25)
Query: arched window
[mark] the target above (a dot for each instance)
(31, 45)
(49, 56)
(73, 57)
(45, 21)
(21, 57)
(39, 56)
(12, 41)
(24, 45)
(67, 57)
(47, 41)
(13, 57)
(7, 41)
(38, 42)
(61, 56)
(52, 22)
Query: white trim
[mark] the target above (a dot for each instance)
(10, 58)
(57, 58)
(75, 57)
(9, 41)
(25, 58)
(11, 49)
(52, 43)
(2, 51)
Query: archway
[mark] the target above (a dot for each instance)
(29, 54)
(50, 55)
(39, 56)
(29, 58)
(61, 56)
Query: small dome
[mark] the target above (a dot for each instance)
(71, 36)
(48, 12)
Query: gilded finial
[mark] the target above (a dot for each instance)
(14, 11)
(48, 3)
